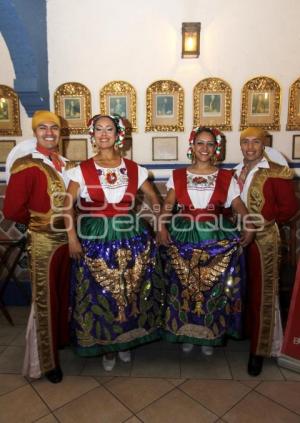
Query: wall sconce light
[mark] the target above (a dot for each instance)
(190, 39)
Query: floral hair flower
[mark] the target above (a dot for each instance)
(218, 137)
(118, 123)
(214, 131)
(192, 138)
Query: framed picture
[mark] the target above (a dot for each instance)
(72, 108)
(5, 148)
(72, 102)
(260, 104)
(9, 112)
(119, 98)
(127, 149)
(296, 147)
(212, 104)
(293, 123)
(164, 106)
(75, 149)
(118, 105)
(165, 103)
(164, 148)
(268, 140)
(4, 106)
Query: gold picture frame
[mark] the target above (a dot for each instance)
(75, 149)
(119, 97)
(293, 121)
(5, 147)
(296, 147)
(165, 149)
(212, 104)
(9, 112)
(72, 102)
(164, 107)
(261, 104)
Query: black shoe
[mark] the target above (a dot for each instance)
(255, 364)
(54, 375)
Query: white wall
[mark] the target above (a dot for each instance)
(7, 76)
(138, 41)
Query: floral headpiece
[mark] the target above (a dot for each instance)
(118, 122)
(217, 134)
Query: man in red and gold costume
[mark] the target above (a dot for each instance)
(267, 191)
(34, 197)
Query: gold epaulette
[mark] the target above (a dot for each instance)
(23, 163)
(278, 171)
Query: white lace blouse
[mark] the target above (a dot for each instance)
(201, 187)
(114, 181)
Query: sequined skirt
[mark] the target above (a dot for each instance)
(205, 281)
(115, 296)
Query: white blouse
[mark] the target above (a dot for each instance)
(201, 187)
(113, 180)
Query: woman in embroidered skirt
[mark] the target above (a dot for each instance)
(115, 304)
(203, 251)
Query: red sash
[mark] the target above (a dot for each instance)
(99, 204)
(218, 198)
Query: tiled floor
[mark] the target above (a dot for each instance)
(161, 385)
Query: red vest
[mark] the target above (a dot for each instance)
(99, 204)
(218, 197)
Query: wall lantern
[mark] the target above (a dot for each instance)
(190, 39)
